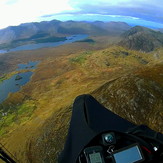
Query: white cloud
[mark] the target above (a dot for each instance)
(14, 12)
(121, 16)
(113, 16)
(100, 2)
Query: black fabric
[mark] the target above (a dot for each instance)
(89, 118)
(146, 132)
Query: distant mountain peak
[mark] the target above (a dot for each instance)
(142, 38)
(161, 30)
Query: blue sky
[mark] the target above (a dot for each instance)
(140, 12)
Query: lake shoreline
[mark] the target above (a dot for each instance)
(69, 39)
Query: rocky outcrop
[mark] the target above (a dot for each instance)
(141, 38)
(137, 99)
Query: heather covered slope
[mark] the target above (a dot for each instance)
(136, 97)
(35, 129)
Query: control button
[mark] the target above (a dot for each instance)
(108, 138)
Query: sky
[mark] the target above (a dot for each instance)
(134, 12)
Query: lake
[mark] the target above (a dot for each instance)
(15, 83)
(68, 40)
(29, 66)
(12, 85)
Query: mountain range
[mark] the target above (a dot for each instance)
(136, 38)
(58, 28)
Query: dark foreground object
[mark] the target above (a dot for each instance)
(91, 122)
(5, 157)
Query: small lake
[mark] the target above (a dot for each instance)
(68, 40)
(29, 66)
(13, 84)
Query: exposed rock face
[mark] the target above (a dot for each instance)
(141, 38)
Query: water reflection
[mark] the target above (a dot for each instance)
(29, 66)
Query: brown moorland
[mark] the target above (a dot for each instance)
(38, 116)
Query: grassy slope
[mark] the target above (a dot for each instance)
(6, 76)
(121, 96)
(46, 100)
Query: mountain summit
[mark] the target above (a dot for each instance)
(142, 38)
